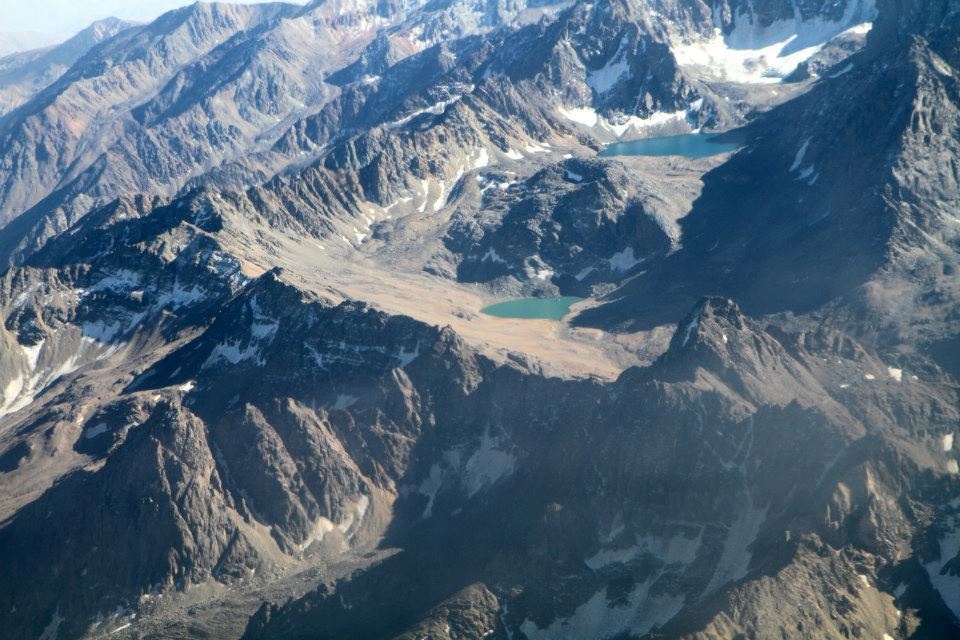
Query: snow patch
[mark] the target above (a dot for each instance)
(690, 329)
(425, 186)
(543, 274)
(429, 488)
(842, 72)
(492, 255)
(483, 159)
(488, 464)
(122, 280)
(669, 550)
(801, 153)
(53, 627)
(767, 54)
(441, 198)
(406, 357)
(623, 260)
(945, 580)
(179, 297)
(633, 124)
(96, 430)
(344, 401)
(437, 108)
(948, 442)
(598, 618)
(230, 351)
(735, 558)
(33, 354)
(606, 77)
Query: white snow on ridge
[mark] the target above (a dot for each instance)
(581, 115)
(122, 280)
(231, 352)
(605, 78)
(755, 54)
(441, 198)
(754, 66)
(588, 117)
(487, 465)
(438, 108)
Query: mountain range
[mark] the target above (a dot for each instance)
(247, 389)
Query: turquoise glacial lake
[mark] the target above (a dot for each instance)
(532, 308)
(692, 145)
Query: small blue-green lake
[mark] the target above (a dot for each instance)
(532, 308)
(692, 145)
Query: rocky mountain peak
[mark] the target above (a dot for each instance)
(709, 323)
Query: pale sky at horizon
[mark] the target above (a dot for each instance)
(66, 17)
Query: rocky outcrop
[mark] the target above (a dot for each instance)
(574, 225)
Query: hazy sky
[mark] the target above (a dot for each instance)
(66, 17)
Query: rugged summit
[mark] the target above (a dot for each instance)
(246, 389)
